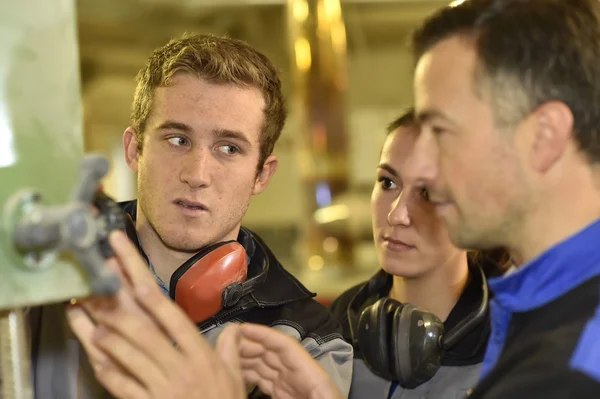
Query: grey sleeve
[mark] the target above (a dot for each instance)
(333, 353)
(336, 356)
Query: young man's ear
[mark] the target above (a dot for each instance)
(130, 145)
(264, 176)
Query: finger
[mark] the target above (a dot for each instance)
(275, 347)
(130, 259)
(253, 377)
(141, 334)
(83, 327)
(106, 301)
(266, 336)
(118, 383)
(124, 300)
(114, 265)
(250, 351)
(134, 361)
(164, 311)
(227, 350)
(260, 366)
(173, 320)
(287, 349)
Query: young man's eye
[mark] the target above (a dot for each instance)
(179, 141)
(229, 149)
(437, 130)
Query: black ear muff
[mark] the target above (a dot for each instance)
(417, 349)
(402, 343)
(401, 332)
(374, 334)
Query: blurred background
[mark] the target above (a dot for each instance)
(347, 72)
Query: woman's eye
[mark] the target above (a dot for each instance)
(386, 183)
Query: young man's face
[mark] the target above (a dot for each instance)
(198, 167)
(471, 167)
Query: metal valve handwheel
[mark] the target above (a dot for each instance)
(80, 227)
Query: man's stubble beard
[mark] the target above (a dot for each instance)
(181, 241)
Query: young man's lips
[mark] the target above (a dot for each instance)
(191, 205)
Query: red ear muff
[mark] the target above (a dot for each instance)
(200, 283)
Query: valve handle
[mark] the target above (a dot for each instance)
(73, 226)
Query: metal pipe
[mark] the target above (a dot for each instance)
(14, 352)
(318, 41)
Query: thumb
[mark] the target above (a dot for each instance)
(227, 350)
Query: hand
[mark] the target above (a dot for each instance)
(144, 346)
(278, 364)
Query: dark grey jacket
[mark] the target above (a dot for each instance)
(61, 369)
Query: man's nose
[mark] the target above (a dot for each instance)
(196, 168)
(422, 165)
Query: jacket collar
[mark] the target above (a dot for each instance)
(278, 288)
(552, 274)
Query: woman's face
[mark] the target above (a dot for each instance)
(410, 239)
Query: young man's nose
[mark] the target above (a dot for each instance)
(196, 168)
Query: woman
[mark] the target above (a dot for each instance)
(396, 350)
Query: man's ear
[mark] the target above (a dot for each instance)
(264, 176)
(553, 131)
(130, 145)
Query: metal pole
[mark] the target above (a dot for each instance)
(318, 41)
(14, 351)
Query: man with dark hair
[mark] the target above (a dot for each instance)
(509, 150)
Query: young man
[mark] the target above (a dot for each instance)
(507, 93)
(171, 360)
(206, 115)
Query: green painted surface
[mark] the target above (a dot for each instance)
(41, 139)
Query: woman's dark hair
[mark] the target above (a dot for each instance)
(494, 262)
(407, 119)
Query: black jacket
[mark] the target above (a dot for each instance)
(61, 369)
(545, 340)
(461, 365)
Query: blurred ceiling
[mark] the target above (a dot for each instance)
(117, 36)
